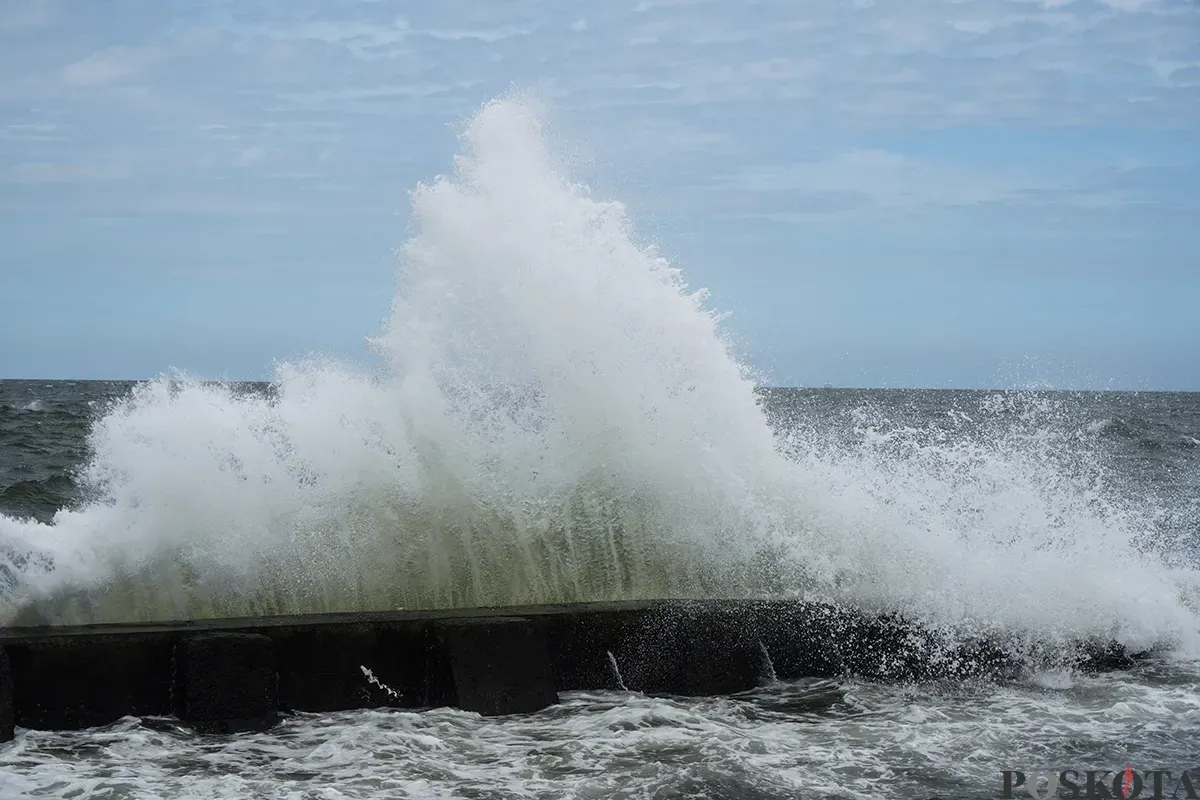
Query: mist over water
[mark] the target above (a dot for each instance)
(557, 418)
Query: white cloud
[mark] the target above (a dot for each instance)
(864, 178)
(1186, 76)
(480, 34)
(32, 132)
(358, 97)
(109, 65)
(934, 64)
(984, 61)
(383, 40)
(50, 172)
(711, 84)
(361, 37)
(251, 155)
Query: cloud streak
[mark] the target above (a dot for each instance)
(786, 98)
(110, 65)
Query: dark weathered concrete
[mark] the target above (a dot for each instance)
(70, 682)
(226, 682)
(490, 660)
(803, 639)
(493, 666)
(7, 717)
(320, 666)
(693, 651)
(580, 643)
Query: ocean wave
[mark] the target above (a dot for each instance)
(556, 417)
(38, 498)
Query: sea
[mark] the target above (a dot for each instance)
(551, 414)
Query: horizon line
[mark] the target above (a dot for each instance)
(795, 387)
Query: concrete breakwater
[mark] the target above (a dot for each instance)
(231, 675)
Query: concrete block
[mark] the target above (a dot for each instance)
(491, 666)
(580, 645)
(81, 681)
(320, 668)
(226, 682)
(804, 640)
(693, 650)
(7, 712)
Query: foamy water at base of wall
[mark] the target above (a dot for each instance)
(803, 739)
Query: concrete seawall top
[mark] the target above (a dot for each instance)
(398, 616)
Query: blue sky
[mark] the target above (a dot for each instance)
(902, 193)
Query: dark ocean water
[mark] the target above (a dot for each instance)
(43, 440)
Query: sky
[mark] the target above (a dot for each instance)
(940, 193)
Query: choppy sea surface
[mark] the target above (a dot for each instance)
(555, 416)
(788, 741)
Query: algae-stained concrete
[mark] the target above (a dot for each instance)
(494, 661)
